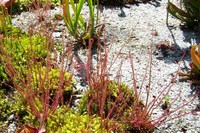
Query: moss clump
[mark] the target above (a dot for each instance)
(66, 121)
(112, 92)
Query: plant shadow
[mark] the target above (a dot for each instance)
(115, 4)
(122, 5)
(85, 49)
(190, 36)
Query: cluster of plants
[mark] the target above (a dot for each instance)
(77, 26)
(80, 27)
(39, 75)
(120, 106)
(29, 66)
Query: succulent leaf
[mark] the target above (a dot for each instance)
(195, 54)
(190, 14)
(178, 13)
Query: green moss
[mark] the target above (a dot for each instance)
(5, 106)
(66, 121)
(113, 90)
(21, 48)
(3, 76)
(118, 102)
(52, 82)
(24, 51)
(10, 105)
